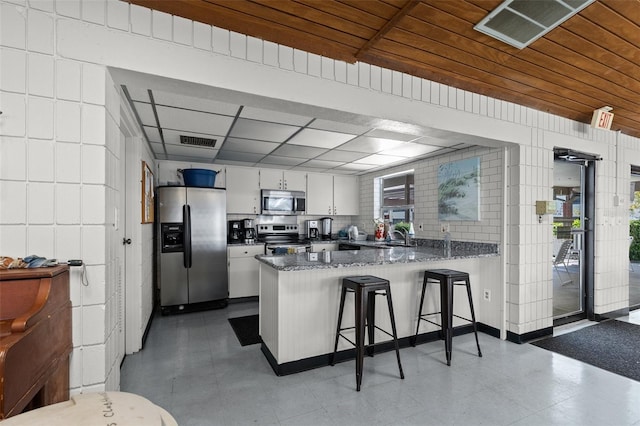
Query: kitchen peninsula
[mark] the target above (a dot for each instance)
(300, 294)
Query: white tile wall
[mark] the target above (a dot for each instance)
(13, 70)
(40, 32)
(13, 158)
(40, 123)
(40, 155)
(13, 26)
(41, 75)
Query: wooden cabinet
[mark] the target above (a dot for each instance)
(283, 179)
(333, 195)
(244, 270)
(243, 190)
(35, 338)
(317, 247)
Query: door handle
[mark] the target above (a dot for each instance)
(126, 241)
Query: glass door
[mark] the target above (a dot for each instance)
(569, 231)
(634, 239)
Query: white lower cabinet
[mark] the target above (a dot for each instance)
(244, 270)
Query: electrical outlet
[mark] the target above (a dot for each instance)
(486, 295)
(444, 227)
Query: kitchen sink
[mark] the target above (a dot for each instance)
(398, 244)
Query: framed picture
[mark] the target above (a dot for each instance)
(147, 194)
(459, 190)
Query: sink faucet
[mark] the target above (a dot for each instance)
(405, 235)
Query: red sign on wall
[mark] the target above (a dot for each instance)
(602, 119)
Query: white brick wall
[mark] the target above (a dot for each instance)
(58, 146)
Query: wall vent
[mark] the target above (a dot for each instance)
(192, 140)
(521, 22)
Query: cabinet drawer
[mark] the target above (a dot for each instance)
(245, 251)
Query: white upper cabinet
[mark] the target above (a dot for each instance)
(243, 190)
(346, 196)
(319, 194)
(332, 195)
(283, 179)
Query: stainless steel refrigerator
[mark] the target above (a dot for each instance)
(192, 248)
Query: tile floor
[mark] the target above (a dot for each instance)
(193, 366)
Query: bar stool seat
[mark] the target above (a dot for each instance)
(363, 287)
(447, 278)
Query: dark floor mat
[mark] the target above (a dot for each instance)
(246, 329)
(611, 345)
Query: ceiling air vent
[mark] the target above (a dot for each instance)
(520, 22)
(192, 140)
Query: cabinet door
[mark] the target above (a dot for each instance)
(319, 194)
(271, 179)
(346, 196)
(244, 279)
(295, 181)
(243, 190)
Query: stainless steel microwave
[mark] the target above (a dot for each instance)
(277, 202)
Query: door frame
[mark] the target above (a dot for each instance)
(588, 252)
(132, 262)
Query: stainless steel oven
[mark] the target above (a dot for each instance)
(281, 235)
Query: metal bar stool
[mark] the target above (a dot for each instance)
(447, 278)
(363, 287)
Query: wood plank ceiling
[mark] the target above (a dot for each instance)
(590, 61)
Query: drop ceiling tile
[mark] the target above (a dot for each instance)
(188, 159)
(173, 137)
(193, 121)
(320, 138)
(426, 140)
(322, 164)
(233, 163)
(157, 148)
(410, 150)
(274, 116)
(370, 145)
(138, 94)
(340, 155)
(354, 167)
(260, 130)
(387, 134)
(379, 160)
(153, 134)
(298, 151)
(283, 161)
(247, 157)
(248, 145)
(145, 112)
(194, 104)
(191, 151)
(335, 126)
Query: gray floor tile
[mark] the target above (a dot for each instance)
(193, 366)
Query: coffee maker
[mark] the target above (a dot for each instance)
(236, 231)
(326, 227)
(249, 228)
(313, 230)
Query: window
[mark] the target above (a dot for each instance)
(396, 196)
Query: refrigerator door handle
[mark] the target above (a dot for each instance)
(186, 217)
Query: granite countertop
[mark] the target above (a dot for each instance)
(373, 256)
